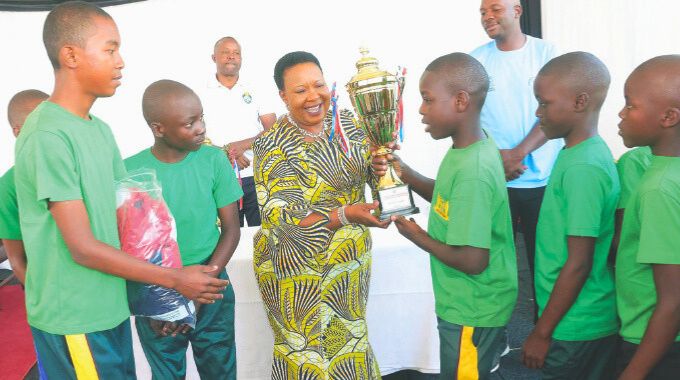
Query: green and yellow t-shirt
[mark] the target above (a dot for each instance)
(631, 167)
(580, 200)
(649, 235)
(62, 157)
(193, 189)
(9, 212)
(470, 208)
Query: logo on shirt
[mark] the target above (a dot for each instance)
(492, 87)
(441, 207)
(247, 98)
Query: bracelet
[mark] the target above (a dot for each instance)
(341, 216)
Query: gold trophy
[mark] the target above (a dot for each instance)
(375, 97)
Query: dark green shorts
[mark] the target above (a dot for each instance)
(668, 368)
(99, 355)
(586, 360)
(468, 353)
(212, 342)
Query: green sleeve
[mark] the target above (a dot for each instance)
(119, 170)
(56, 176)
(659, 225)
(630, 173)
(470, 214)
(9, 211)
(586, 189)
(226, 189)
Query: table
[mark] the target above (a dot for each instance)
(400, 314)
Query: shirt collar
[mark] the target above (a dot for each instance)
(212, 82)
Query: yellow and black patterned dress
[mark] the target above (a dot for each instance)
(314, 281)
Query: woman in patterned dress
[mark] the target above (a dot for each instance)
(312, 254)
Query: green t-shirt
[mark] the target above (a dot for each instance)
(193, 189)
(580, 200)
(631, 166)
(61, 157)
(470, 208)
(649, 235)
(9, 213)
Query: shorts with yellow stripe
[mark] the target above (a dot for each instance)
(468, 353)
(98, 355)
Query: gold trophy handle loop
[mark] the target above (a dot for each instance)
(401, 82)
(390, 179)
(382, 151)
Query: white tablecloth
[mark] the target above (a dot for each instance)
(401, 322)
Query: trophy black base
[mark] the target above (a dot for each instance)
(396, 200)
(405, 212)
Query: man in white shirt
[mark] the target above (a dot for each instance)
(512, 61)
(234, 118)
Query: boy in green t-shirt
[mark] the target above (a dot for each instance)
(469, 236)
(66, 164)
(648, 259)
(575, 335)
(631, 166)
(198, 186)
(21, 104)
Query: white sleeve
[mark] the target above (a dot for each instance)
(267, 99)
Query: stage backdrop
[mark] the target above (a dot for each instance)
(622, 33)
(174, 39)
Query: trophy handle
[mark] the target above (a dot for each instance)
(401, 82)
(390, 179)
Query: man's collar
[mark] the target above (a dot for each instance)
(214, 83)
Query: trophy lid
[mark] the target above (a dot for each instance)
(368, 68)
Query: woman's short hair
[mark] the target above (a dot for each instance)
(289, 60)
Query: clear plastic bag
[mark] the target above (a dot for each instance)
(147, 231)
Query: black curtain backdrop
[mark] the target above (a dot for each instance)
(531, 18)
(46, 5)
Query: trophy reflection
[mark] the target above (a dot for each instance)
(375, 97)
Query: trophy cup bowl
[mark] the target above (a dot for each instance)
(375, 97)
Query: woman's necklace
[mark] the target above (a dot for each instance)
(305, 133)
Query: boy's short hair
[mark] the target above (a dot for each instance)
(69, 23)
(17, 108)
(666, 76)
(156, 97)
(462, 72)
(582, 72)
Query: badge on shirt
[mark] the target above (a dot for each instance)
(247, 98)
(441, 207)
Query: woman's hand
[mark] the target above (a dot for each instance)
(360, 213)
